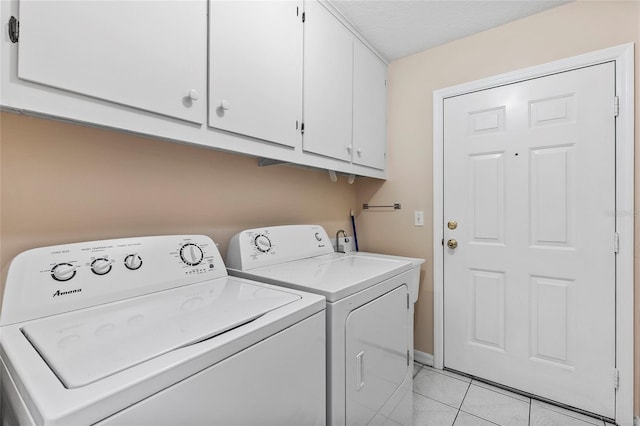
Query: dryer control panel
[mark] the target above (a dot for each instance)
(52, 280)
(254, 248)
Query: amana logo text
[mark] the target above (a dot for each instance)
(63, 293)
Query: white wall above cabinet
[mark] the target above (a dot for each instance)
(226, 75)
(145, 54)
(255, 69)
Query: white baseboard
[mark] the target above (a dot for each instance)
(423, 358)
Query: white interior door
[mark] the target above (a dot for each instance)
(529, 291)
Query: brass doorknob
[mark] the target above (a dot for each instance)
(452, 224)
(452, 244)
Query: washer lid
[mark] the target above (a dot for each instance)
(85, 346)
(334, 276)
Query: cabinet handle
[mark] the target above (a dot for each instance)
(359, 151)
(193, 95)
(225, 105)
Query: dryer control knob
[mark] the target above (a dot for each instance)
(63, 272)
(133, 262)
(263, 243)
(101, 266)
(191, 254)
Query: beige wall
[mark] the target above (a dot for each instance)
(565, 31)
(66, 183)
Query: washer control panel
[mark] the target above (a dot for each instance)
(254, 248)
(57, 279)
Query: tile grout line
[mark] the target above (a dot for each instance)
(481, 418)
(461, 402)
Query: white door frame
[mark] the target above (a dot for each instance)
(623, 56)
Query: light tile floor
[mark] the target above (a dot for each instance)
(442, 398)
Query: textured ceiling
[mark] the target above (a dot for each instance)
(402, 27)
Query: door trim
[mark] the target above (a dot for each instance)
(623, 56)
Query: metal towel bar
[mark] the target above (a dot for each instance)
(395, 206)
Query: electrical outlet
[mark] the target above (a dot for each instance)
(418, 219)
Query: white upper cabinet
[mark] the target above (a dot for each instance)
(328, 84)
(255, 69)
(284, 80)
(369, 108)
(344, 93)
(149, 55)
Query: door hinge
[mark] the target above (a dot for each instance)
(304, 17)
(616, 242)
(616, 378)
(302, 128)
(14, 29)
(408, 357)
(616, 106)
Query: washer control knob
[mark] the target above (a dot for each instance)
(191, 254)
(133, 261)
(318, 236)
(101, 266)
(263, 243)
(63, 272)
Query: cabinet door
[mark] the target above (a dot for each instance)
(369, 108)
(255, 69)
(149, 55)
(328, 66)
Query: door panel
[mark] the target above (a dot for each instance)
(377, 341)
(530, 289)
(124, 52)
(256, 79)
(369, 108)
(328, 84)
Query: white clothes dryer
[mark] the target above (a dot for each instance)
(370, 304)
(152, 331)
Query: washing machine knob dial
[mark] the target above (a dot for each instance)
(133, 262)
(101, 266)
(263, 243)
(63, 272)
(191, 254)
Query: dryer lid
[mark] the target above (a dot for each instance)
(334, 276)
(85, 346)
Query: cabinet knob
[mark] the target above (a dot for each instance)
(359, 151)
(349, 148)
(225, 104)
(193, 95)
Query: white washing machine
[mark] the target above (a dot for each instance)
(152, 331)
(370, 301)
